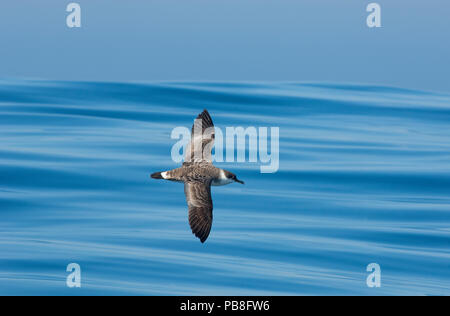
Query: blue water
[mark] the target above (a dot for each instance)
(364, 177)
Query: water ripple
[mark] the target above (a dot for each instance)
(364, 177)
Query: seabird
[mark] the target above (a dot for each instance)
(198, 174)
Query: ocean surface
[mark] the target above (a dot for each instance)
(364, 177)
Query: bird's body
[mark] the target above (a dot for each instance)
(198, 175)
(192, 172)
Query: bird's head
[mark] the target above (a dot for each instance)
(232, 177)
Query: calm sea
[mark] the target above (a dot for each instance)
(364, 178)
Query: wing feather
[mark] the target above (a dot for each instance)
(202, 139)
(198, 197)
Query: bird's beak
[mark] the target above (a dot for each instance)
(241, 182)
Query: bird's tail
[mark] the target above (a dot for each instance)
(157, 175)
(170, 175)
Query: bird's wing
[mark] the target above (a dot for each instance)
(198, 197)
(202, 139)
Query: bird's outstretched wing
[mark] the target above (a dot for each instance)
(202, 139)
(198, 197)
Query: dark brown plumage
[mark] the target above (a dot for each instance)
(202, 139)
(198, 197)
(198, 174)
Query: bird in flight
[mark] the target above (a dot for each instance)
(198, 175)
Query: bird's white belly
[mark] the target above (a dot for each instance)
(219, 182)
